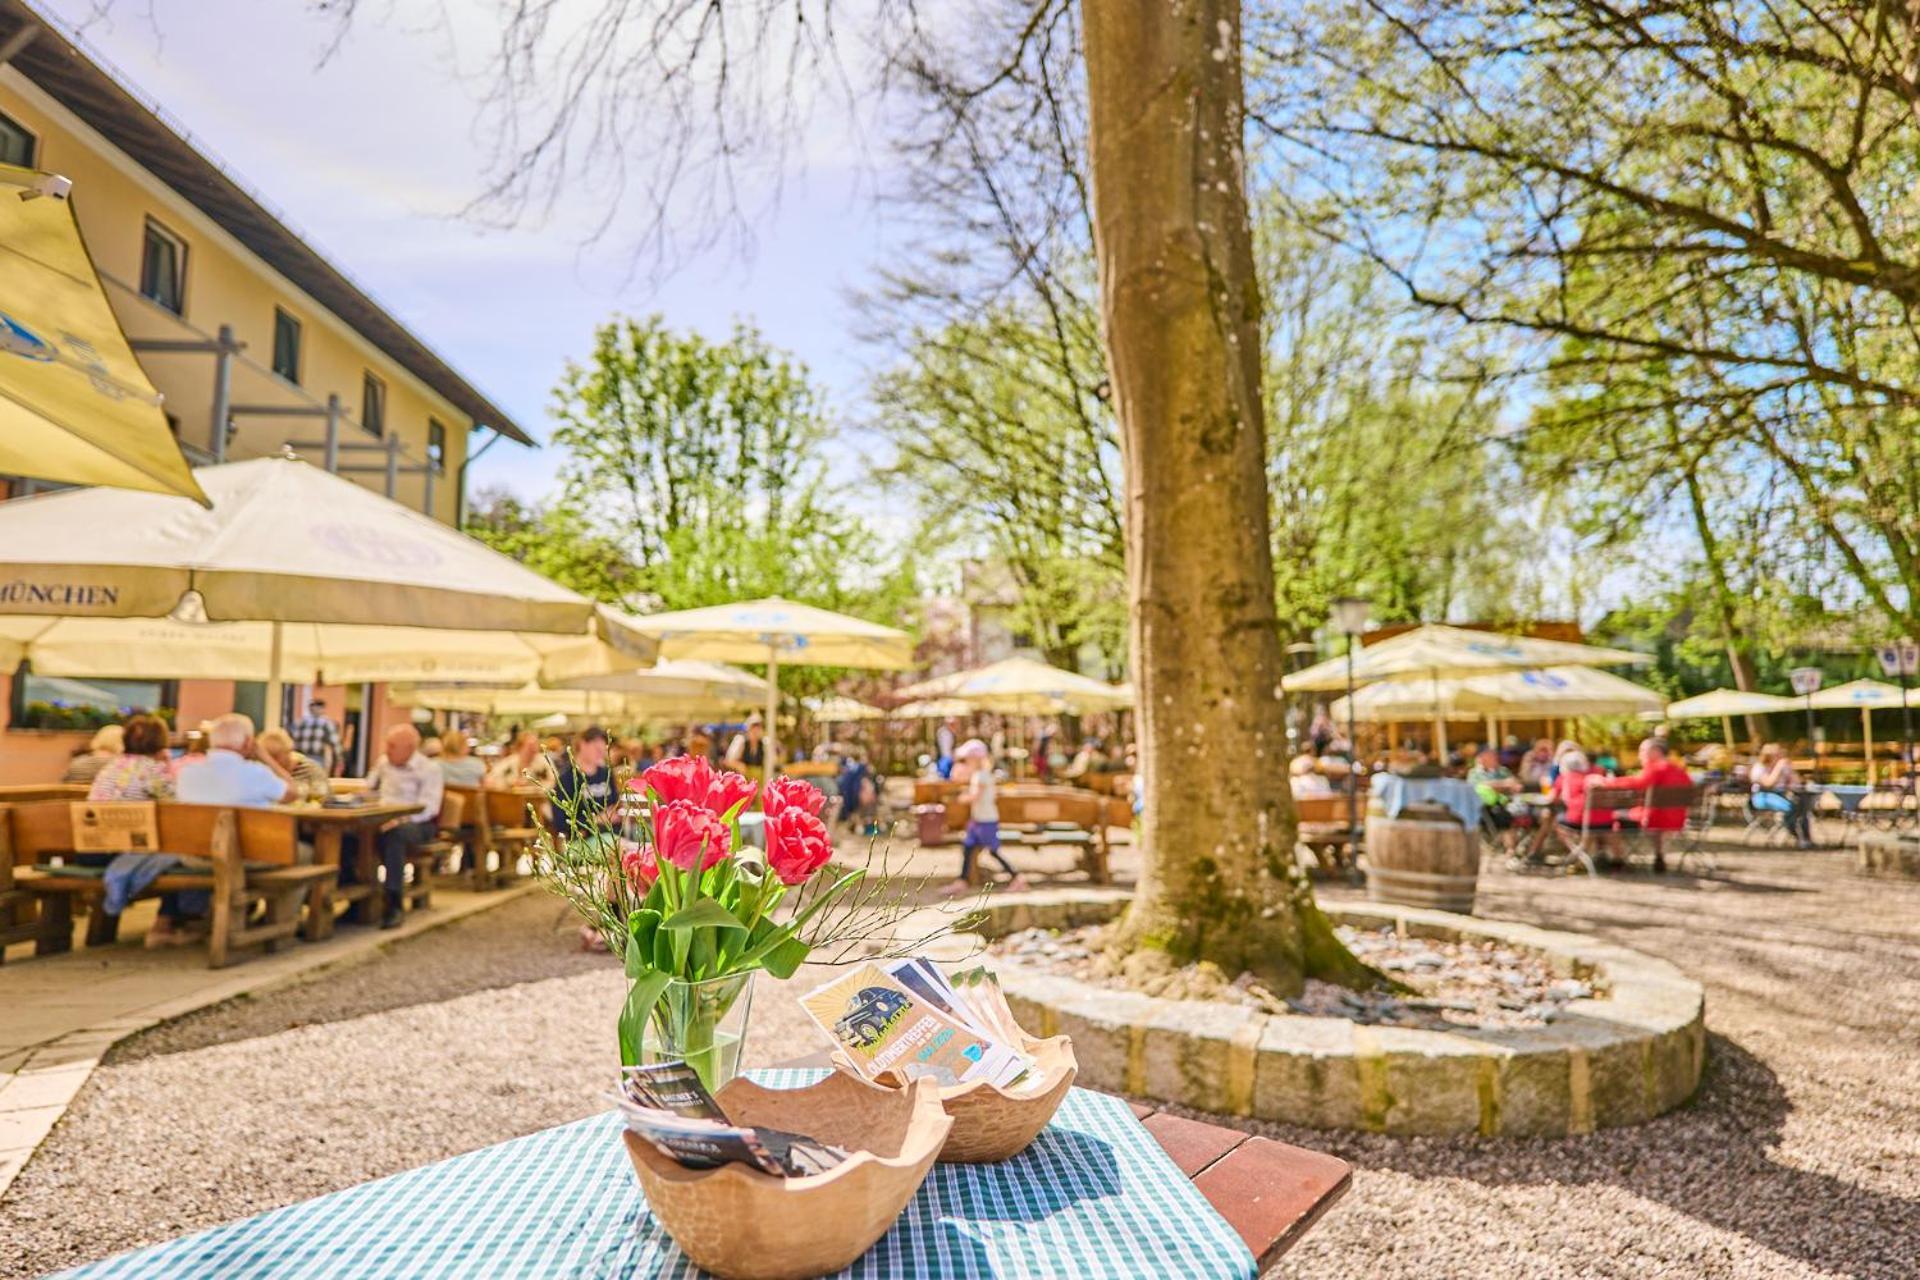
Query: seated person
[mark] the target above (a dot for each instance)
(1777, 789)
(520, 765)
(1657, 769)
(1305, 778)
(108, 743)
(1495, 784)
(1569, 797)
(277, 745)
(583, 792)
(458, 765)
(405, 775)
(233, 771)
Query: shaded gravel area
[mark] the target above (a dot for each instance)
(1801, 1157)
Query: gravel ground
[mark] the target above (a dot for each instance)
(1801, 1157)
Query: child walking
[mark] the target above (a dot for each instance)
(983, 818)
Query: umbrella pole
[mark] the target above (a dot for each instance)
(1866, 731)
(1726, 730)
(773, 711)
(276, 688)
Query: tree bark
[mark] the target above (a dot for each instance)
(1181, 309)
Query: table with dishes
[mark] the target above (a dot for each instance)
(327, 825)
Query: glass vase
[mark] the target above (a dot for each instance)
(703, 1024)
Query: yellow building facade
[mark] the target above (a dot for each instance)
(256, 340)
(248, 332)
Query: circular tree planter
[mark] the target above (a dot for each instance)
(1613, 1061)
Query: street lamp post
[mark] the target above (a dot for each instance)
(1806, 682)
(1350, 615)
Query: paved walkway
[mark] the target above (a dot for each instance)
(64, 1012)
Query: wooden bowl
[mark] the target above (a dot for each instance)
(991, 1124)
(741, 1224)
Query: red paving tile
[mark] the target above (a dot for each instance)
(1271, 1192)
(1193, 1144)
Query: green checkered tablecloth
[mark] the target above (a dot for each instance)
(1094, 1196)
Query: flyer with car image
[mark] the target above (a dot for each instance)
(885, 1028)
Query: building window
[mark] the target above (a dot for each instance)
(163, 268)
(16, 144)
(286, 346)
(437, 444)
(373, 405)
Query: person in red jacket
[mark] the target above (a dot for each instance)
(1657, 769)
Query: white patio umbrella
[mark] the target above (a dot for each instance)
(776, 631)
(667, 689)
(1023, 686)
(1435, 653)
(283, 543)
(931, 709)
(1866, 696)
(838, 710)
(1725, 704)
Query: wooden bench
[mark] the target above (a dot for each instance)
(1606, 804)
(254, 856)
(497, 825)
(1042, 817)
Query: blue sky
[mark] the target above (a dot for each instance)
(370, 154)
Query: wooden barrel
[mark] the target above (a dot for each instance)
(1423, 858)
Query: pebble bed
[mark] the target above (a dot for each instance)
(1467, 984)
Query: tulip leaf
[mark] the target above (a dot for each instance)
(785, 958)
(703, 912)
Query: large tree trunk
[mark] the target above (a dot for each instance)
(1181, 307)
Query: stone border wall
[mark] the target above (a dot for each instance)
(1603, 1062)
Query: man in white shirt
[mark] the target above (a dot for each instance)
(405, 775)
(234, 772)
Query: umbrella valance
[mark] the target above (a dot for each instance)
(310, 653)
(776, 631)
(794, 633)
(1557, 691)
(1730, 702)
(1438, 652)
(1855, 695)
(1022, 686)
(75, 406)
(838, 710)
(931, 709)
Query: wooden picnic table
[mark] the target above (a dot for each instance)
(327, 826)
(1270, 1192)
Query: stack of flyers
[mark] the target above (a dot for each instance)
(903, 1020)
(668, 1106)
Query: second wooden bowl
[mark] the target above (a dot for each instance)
(991, 1124)
(741, 1224)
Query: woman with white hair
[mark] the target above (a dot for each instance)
(107, 743)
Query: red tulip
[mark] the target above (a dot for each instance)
(797, 844)
(784, 794)
(679, 778)
(689, 835)
(727, 790)
(641, 865)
